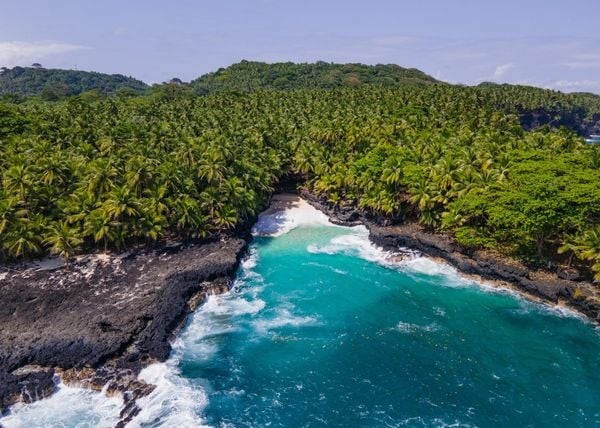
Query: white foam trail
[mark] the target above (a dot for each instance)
(228, 304)
(429, 266)
(357, 244)
(284, 318)
(555, 310)
(285, 214)
(408, 328)
(175, 402)
(453, 278)
(68, 407)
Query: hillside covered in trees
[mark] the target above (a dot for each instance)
(116, 171)
(537, 107)
(53, 84)
(247, 76)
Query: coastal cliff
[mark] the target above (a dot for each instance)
(98, 322)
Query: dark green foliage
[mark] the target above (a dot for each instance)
(112, 171)
(12, 120)
(56, 84)
(248, 76)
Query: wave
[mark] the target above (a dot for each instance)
(429, 266)
(418, 266)
(283, 318)
(326, 266)
(285, 215)
(408, 328)
(357, 244)
(527, 307)
(68, 406)
(174, 401)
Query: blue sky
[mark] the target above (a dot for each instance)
(549, 43)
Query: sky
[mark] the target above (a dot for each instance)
(547, 43)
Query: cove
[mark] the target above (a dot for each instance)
(322, 327)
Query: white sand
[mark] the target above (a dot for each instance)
(286, 212)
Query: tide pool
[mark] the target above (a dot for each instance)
(323, 328)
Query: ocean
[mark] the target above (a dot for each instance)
(323, 328)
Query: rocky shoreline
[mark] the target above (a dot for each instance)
(580, 296)
(96, 323)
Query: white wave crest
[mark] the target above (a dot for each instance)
(357, 244)
(559, 311)
(68, 406)
(284, 318)
(230, 304)
(175, 402)
(429, 266)
(285, 214)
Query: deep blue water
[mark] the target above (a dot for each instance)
(320, 330)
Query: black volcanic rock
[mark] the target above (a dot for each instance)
(548, 286)
(104, 318)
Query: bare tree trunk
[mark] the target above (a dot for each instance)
(539, 242)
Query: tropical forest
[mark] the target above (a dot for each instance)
(497, 167)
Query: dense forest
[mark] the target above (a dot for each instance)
(116, 171)
(55, 84)
(247, 76)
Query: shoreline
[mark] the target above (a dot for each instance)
(502, 272)
(105, 351)
(97, 323)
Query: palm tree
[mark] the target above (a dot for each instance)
(102, 176)
(421, 194)
(17, 179)
(392, 172)
(22, 239)
(121, 204)
(226, 217)
(585, 247)
(63, 239)
(101, 227)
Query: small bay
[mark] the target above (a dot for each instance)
(322, 327)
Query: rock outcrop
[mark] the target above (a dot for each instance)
(549, 286)
(99, 321)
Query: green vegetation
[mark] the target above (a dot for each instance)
(578, 111)
(56, 84)
(110, 172)
(247, 76)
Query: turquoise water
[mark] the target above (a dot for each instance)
(321, 330)
(317, 332)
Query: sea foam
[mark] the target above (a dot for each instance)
(283, 318)
(285, 214)
(175, 402)
(68, 406)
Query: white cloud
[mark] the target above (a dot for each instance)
(24, 53)
(501, 70)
